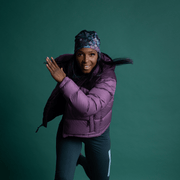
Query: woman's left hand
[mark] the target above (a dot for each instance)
(57, 73)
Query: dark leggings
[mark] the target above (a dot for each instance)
(96, 163)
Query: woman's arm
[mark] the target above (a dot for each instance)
(86, 104)
(97, 98)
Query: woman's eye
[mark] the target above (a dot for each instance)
(79, 54)
(92, 54)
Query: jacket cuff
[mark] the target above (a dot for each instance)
(64, 81)
(68, 87)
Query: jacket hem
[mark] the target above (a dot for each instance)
(88, 135)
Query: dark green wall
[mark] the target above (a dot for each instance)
(145, 125)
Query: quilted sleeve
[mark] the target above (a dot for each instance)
(97, 98)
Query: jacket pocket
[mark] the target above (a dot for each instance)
(97, 123)
(94, 124)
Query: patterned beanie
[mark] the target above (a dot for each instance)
(87, 39)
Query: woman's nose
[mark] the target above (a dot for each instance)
(85, 58)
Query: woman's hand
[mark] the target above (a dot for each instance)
(56, 72)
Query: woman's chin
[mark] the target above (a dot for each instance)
(86, 71)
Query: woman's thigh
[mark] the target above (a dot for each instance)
(98, 156)
(67, 153)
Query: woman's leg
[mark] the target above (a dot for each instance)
(67, 153)
(98, 157)
(83, 162)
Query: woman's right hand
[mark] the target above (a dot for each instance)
(57, 73)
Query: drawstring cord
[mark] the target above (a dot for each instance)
(38, 128)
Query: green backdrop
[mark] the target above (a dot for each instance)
(145, 124)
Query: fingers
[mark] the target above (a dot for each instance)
(50, 70)
(56, 72)
(54, 62)
(62, 69)
(51, 64)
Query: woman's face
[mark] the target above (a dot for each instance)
(86, 59)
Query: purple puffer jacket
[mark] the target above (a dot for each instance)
(86, 113)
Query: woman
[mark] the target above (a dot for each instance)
(84, 95)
